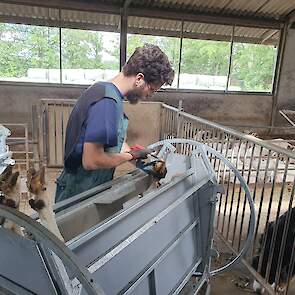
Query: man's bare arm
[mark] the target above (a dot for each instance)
(94, 157)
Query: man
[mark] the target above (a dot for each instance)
(96, 130)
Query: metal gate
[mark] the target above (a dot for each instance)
(269, 171)
(53, 118)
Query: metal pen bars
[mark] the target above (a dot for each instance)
(269, 171)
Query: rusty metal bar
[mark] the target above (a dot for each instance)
(245, 200)
(284, 237)
(268, 215)
(233, 193)
(239, 196)
(262, 197)
(274, 236)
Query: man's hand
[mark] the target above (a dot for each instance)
(139, 152)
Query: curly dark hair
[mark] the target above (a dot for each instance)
(152, 62)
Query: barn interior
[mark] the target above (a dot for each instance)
(233, 91)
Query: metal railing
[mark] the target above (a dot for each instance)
(269, 171)
(53, 119)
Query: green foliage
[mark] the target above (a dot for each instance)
(42, 47)
(23, 47)
(253, 66)
(81, 49)
(205, 57)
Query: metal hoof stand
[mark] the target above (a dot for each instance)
(124, 237)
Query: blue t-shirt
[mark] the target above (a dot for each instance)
(101, 125)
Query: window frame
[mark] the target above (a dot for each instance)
(174, 90)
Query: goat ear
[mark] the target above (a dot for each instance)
(31, 172)
(42, 175)
(30, 175)
(13, 179)
(6, 173)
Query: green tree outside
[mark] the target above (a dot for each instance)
(253, 66)
(23, 47)
(81, 49)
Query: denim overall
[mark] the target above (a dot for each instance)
(71, 183)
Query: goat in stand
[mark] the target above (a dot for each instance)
(41, 201)
(10, 197)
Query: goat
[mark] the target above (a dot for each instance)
(159, 171)
(41, 202)
(10, 197)
(267, 238)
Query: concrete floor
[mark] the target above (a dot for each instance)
(227, 283)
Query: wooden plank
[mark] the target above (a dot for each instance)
(58, 134)
(51, 135)
(65, 118)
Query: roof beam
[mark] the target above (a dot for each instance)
(155, 13)
(267, 35)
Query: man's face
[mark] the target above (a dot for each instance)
(142, 91)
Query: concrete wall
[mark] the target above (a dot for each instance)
(16, 102)
(286, 93)
(235, 109)
(144, 121)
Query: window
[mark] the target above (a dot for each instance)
(204, 64)
(89, 49)
(252, 67)
(29, 53)
(253, 59)
(205, 56)
(89, 56)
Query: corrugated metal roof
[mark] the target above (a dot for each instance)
(13, 10)
(142, 25)
(93, 18)
(272, 9)
(50, 16)
(156, 26)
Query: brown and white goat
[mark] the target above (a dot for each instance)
(10, 197)
(41, 201)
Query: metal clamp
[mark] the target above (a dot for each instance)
(206, 148)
